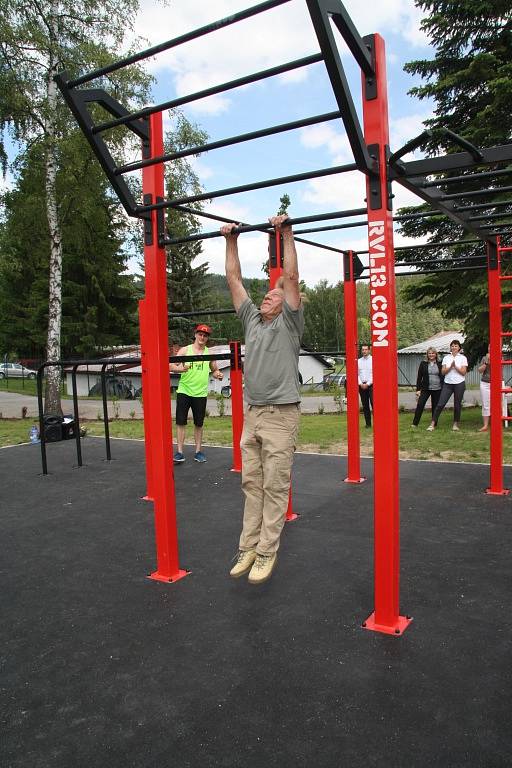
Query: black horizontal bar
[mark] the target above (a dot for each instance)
(422, 246)
(248, 187)
(316, 217)
(228, 142)
(333, 227)
(262, 227)
(484, 216)
(203, 312)
(405, 217)
(434, 271)
(468, 177)
(194, 34)
(265, 228)
(437, 261)
(453, 162)
(262, 75)
(477, 193)
(481, 206)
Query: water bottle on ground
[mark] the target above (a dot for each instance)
(34, 434)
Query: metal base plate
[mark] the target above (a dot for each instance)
(361, 480)
(168, 579)
(396, 629)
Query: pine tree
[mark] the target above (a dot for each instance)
(98, 299)
(186, 283)
(470, 79)
(37, 40)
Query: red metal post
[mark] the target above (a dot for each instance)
(275, 269)
(350, 302)
(157, 356)
(495, 341)
(146, 402)
(237, 403)
(386, 617)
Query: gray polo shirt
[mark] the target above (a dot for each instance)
(271, 366)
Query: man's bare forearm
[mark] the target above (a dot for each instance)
(290, 265)
(233, 269)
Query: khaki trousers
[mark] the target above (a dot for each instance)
(268, 442)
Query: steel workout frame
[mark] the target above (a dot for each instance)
(372, 156)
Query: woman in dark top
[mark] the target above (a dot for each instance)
(428, 383)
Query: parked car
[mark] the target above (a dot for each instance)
(120, 388)
(334, 380)
(16, 370)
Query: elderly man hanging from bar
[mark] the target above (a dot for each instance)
(271, 376)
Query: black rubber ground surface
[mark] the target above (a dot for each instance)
(103, 667)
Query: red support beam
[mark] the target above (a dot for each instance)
(237, 403)
(157, 357)
(351, 347)
(275, 269)
(386, 616)
(496, 486)
(146, 402)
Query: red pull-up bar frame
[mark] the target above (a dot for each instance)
(156, 343)
(386, 616)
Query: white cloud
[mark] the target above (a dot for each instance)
(405, 128)
(263, 41)
(341, 192)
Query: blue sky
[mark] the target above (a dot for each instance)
(272, 38)
(267, 40)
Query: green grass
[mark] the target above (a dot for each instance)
(326, 433)
(23, 386)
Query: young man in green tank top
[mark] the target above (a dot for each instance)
(193, 391)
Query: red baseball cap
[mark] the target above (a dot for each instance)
(204, 328)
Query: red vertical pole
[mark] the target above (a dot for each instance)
(275, 269)
(495, 337)
(237, 403)
(157, 356)
(146, 402)
(350, 303)
(386, 617)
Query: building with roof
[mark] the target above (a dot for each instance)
(127, 381)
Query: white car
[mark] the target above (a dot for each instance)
(16, 370)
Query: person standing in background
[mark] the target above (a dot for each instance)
(192, 391)
(365, 381)
(428, 384)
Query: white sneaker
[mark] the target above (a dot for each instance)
(455, 428)
(430, 428)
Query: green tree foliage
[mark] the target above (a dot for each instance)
(325, 316)
(39, 38)
(186, 278)
(284, 204)
(470, 79)
(98, 299)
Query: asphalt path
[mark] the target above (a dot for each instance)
(12, 404)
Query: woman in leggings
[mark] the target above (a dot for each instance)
(454, 368)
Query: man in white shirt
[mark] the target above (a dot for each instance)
(454, 369)
(365, 381)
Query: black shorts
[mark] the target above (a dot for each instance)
(183, 403)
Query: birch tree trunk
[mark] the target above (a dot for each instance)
(52, 398)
